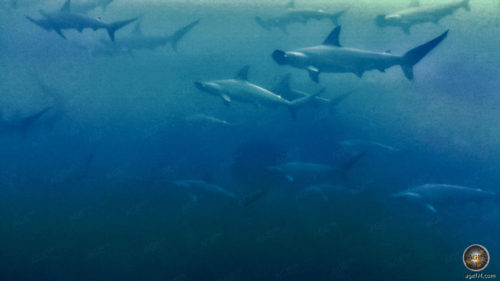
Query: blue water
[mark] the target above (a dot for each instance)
(87, 192)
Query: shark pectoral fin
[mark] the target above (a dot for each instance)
(359, 73)
(289, 178)
(226, 99)
(283, 28)
(431, 208)
(137, 29)
(283, 87)
(406, 29)
(313, 73)
(58, 31)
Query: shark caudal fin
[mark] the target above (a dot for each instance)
(466, 5)
(262, 23)
(334, 18)
(413, 56)
(297, 103)
(26, 123)
(347, 166)
(333, 102)
(113, 27)
(180, 33)
(105, 4)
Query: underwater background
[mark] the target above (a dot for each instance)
(89, 193)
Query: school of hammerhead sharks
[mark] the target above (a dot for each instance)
(329, 56)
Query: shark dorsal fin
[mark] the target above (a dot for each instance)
(291, 4)
(414, 3)
(137, 29)
(284, 85)
(66, 7)
(333, 37)
(243, 73)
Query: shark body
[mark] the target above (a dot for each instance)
(433, 194)
(332, 57)
(138, 41)
(239, 89)
(296, 15)
(64, 19)
(417, 14)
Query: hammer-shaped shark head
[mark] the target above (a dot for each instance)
(280, 57)
(208, 87)
(296, 59)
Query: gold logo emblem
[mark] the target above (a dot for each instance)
(476, 257)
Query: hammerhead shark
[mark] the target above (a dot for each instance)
(239, 89)
(419, 14)
(23, 124)
(332, 57)
(295, 15)
(138, 41)
(65, 19)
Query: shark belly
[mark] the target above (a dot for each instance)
(246, 92)
(70, 21)
(339, 60)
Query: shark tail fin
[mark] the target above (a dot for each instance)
(333, 102)
(466, 5)
(347, 166)
(28, 121)
(264, 24)
(180, 33)
(297, 103)
(284, 85)
(380, 21)
(248, 199)
(414, 55)
(113, 27)
(105, 5)
(335, 17)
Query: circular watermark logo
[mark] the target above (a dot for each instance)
(476, 257)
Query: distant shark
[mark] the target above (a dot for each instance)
(208, 119)
(65, 19)
(193, 185)
(432, 194)
(138, 41)
(22, 125)
(294, 15)
(332, 57)
(311, 173)
(416, 14)
(364, 143)
(323, 189)
(239, 89)
(84, 6)
(284, 89)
